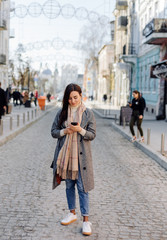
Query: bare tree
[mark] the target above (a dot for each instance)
(22, 74)
(92, 37)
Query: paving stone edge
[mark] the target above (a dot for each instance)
(161, 160)
(21, 129)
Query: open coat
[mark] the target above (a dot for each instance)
(84, 148)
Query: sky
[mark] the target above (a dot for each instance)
(41, 29)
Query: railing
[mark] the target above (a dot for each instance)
(132, 49)
(157, 25)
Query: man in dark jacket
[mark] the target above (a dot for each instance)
(3, 102)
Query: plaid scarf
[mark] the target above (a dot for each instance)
(67, 161)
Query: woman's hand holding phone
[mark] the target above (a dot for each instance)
(75, 127)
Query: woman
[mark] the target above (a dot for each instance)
(137, 115)
(72, 159)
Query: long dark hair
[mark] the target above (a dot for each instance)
(71, 87)
(137, 92)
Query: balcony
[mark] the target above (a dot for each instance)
(122, 23)
(2, 59)
(129, 53)
(121, 4)
(3, 24)
(155, 32)
(130, 49)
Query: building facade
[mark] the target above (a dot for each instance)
(153, 50)
(123, 47)
(143, 39)
(4, 41)
(105, 67)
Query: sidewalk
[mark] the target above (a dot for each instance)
(157, 128)
(20, 119)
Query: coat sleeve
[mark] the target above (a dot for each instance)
(141, 106)
(91, 127)
(55, 130)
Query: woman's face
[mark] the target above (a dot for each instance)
(135, 95)
(74, 99)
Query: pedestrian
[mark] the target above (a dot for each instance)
(35, 97)
(25, 97)
(105, 97)
(74, 127)
(48, 97)
(137, 106)
(3, 102)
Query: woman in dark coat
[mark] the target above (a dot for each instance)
(137, 106)
(74, 127)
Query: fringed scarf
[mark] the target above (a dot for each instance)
(67, 161)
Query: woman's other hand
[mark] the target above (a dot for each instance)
(141, 117)
(68, 130)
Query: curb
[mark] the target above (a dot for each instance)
(161, 160)
(21, 129)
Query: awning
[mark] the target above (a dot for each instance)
(159, 70)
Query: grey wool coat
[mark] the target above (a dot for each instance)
(84, 148)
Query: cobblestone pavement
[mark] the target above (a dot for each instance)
(129, 201)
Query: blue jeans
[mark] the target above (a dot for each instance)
(83, 196)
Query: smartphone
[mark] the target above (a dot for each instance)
(74, 123)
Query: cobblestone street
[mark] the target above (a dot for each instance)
(129, 201)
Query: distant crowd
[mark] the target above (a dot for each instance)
(18, 98)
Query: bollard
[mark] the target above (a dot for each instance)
(35, 113)
(137, 133)
(115, 118)
(148, 136)
(23, 118)
(32, 114)
(18, 120)
(1, 127)
(28, 116)
(162, 143)
(11, 123)
(124, 122)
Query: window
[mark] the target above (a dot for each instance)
(145, 78)
(150, 13)
(140, 79)
(145, 18)
(149, 80)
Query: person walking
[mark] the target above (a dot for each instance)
(137, 106)
(35, 97)
(74, 126)
(3, 102)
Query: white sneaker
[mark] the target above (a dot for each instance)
(86, 229)
(133, 139)
(70, 218)
(141, 139)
